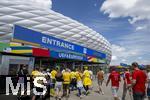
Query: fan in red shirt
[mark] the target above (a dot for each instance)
(128, 78)
(115, 79)
(127, 83)
(139, 81)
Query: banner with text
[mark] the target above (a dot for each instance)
(29, 36)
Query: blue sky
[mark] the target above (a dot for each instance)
(123, 23)
(88, 12)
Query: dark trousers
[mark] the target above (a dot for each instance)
(138, 96)
(86, 88)
(79, 92)
(73, 84)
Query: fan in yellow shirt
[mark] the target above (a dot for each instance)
(78, 76)
(87, 82)
(66, 83)
(53, 75)
(66, 77)
(79, 82)
(35, 72)
(73, 80)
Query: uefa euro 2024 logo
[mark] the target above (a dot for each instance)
(21, 86)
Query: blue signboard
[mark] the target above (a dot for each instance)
(123, 64)
(63, 55)
(30, 36)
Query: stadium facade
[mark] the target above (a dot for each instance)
(63, 32)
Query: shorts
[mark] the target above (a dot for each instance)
(52, 85)
(39, 91)
(99, 82)
(53, 81)
(138, 96)
(73, 81)
(79, 84)
(58, 86)
(66, 86)
(114, 91)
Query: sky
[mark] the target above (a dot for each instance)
(124, 23)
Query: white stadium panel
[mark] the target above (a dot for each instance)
(32, 16)
(9, 19)
(64, 21)
(22, 7)
(67, 33)
(27, 23)
(43, 27)
(8, 11)
(24, 15)
(66, 27)
(76, 31)
(57, 30)
(76, 36)
(5, 29)
(74, 25)
(6, 37)
(42, 19)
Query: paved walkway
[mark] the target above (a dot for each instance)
(95, 95)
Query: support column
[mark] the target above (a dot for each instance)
(73, 65)
(40, 63)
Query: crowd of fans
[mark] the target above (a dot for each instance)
(136, 81)
(60, 83)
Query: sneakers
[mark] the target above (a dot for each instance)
(87, 93)
(81, 97)
(102, 93)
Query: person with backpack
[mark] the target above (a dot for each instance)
(115, 79)
(59, 84)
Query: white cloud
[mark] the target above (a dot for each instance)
(134, 46)
(139, 58)
(123, 60)
(120, 53)
(114, 58)
(141, 28)
(43, 4)
(135, 10)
